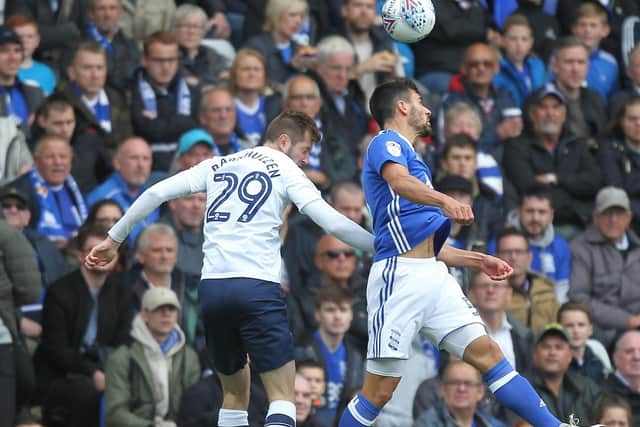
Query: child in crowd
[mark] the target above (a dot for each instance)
(591, 26)
(31, 71)
(520, 72)
(589, 355)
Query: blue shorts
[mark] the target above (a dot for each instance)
(245, 316)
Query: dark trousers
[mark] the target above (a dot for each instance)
(7, 385)
(72, 401)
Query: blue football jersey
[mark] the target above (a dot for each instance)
(399, 224)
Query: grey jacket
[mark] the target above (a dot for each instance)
(606, 280)
(19, 277)
(14, 152)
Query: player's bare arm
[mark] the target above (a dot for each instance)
(410, 188)
(495, 268)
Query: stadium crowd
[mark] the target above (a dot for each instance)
(536, 124)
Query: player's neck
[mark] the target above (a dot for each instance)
(403, 129)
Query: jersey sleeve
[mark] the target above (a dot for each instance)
(382, 150)
(299, 189)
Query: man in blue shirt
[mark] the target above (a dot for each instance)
(410, 290)
(132, 164)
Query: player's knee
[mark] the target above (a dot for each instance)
(483, 353)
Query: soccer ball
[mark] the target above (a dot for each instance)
(408, 20)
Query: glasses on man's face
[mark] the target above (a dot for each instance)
(336, 254)
(461, 383)
(480, 63)
(163, 61)
(14, 205)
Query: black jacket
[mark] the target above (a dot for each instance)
(613, 385)
(579, 177)
(277, 70)
(621, 168)
(122, 61)
(66, 311)
(578, 396)
(454, 31)
(167, 127)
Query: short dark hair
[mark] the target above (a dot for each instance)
(537, 191)
(573, 306)
(55, 102)
(294, 124)
(89, 230)
(516, 20)
(383, 100)
(508, 232)
(333, 293)
(93, 212)
(309, 363)
(565, 43)
(89, 46)
(459, 140)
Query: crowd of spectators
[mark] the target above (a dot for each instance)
(536, 124)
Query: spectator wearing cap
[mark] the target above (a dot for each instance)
(546, 154)
(86, 314)
(605, 266)
(194, 146)
(147, 378)
(19, 99)
(132, 164)
(564, 391)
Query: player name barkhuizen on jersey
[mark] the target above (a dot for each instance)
(272, 167)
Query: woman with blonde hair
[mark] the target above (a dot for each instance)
(283, 55)
(248, 83)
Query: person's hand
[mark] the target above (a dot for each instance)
(103, 256)
(633, 322)
(220, 23)
(509, 128)
(380, 62)
(305, 57)
(458, 212)
(30, 328)
(149, 114)
(99, 380)
(495, 268)
(547, 178)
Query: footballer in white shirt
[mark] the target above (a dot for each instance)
(241, 302)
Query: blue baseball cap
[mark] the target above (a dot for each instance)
(193, 137)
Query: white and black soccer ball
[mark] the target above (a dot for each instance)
(408, 20)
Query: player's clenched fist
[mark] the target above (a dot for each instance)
(458, 212)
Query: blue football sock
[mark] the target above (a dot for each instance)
(515, 392)
(359, 413)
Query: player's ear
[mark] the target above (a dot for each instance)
(283, 142)
(403, 106)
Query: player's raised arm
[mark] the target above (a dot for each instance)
(412, 189)
(190, 181)
(333, 222)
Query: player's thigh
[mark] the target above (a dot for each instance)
(451, 321)
(221, 311)
(398, 296)
(264, 329)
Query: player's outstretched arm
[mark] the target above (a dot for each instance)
(103, 256)
(495, 268)
(411, 188)
(333, 222)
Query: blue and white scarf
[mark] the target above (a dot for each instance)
(149, 97)
(98, 37)
(54, 223)
(99, 106)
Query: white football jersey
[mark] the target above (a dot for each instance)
(247, 193)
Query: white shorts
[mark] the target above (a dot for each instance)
(410, 295)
